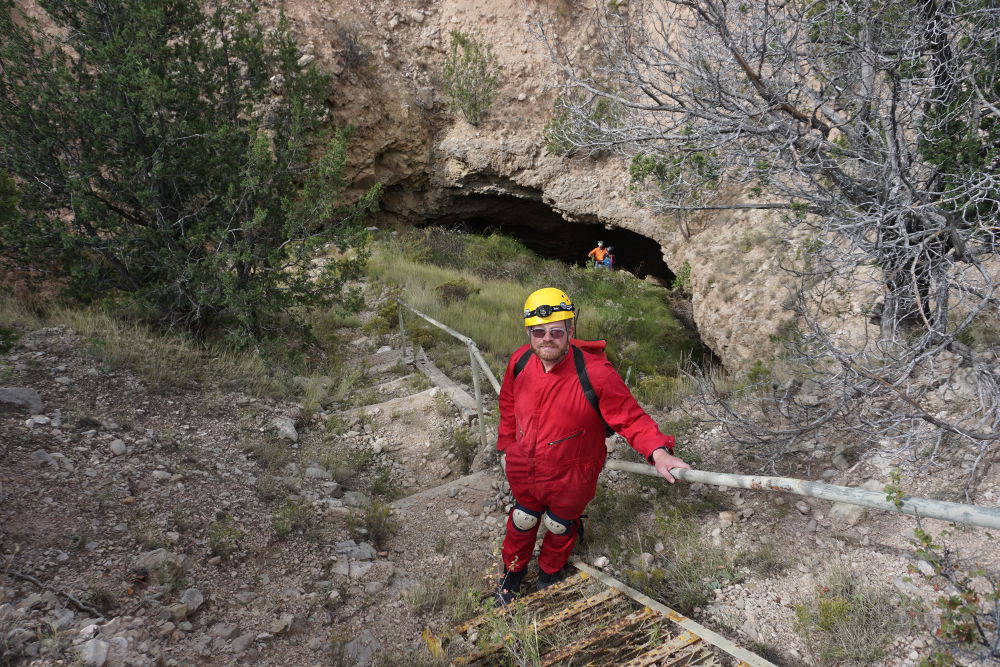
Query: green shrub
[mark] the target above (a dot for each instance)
(690, 567)
(291, 518)
(418, 382)
(967, 615)
(682, 279)
(206, 211)
(376, 524)
(8, 338)
(271, 454)
(581, 123)
(471, 75)
(848, 621)
(224, 536)
(385, 320)
(982, 333)
(385, 485)
(456, 291)
(611, 514)
(464, 443)
(459, 595)
(660, 391)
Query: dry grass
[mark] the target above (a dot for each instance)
(848, 621)
(165, 360)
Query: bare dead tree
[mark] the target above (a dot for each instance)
(873, 128)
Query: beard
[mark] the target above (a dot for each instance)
(550, 351)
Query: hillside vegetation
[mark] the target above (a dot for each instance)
(477, 285)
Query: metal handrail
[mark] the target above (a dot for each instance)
(476, 361)
(973, 515)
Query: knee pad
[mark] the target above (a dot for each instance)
(523, 518)
(556, 525)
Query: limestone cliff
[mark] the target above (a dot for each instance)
(432, 160)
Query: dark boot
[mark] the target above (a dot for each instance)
(545, 579)
(509, 587)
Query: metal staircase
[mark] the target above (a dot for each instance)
(591, 619)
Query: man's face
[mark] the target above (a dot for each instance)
(551, 347)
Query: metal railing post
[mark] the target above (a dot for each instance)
(402, 330)
(465, 339)
(474, 365)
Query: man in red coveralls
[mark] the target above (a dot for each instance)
(553, 436)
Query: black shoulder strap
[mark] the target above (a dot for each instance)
(522, 362)
(581, 372)
(588, 389)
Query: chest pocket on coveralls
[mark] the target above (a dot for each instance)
(568, 437)
(565, 449)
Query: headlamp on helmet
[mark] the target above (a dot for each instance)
(547, 305)
(546, 310)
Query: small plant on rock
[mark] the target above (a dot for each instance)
(464, 444)
(224, 537)
(968, 611)
(376, 524)
(291, 518)
(102, 599)
(471, 76)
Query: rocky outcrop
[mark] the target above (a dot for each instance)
(436, 166)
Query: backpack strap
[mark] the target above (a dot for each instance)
(522, 361)
(588, 389)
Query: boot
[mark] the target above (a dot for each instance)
(545, 579)
(509, 587)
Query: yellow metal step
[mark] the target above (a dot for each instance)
(586, 619)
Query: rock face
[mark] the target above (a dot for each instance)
(435, 166)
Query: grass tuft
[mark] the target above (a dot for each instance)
(848, 621)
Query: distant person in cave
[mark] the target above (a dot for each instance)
(598, 254)
(560, 399)
(609, 258)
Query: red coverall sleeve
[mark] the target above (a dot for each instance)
(507, 430)
(624, 414)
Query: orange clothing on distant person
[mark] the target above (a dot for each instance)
(597, 254)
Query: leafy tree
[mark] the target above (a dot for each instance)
(176, 155)
(471, 75)
(873, 128)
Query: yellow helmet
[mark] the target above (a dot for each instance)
(547, 305)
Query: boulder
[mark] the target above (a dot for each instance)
(21, 399)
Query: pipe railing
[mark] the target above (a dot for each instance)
(476, 361)
(973, 515)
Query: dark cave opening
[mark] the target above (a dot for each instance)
(547, 233)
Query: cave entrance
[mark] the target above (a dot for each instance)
(549, 235)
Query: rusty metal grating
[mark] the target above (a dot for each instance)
(587, 619)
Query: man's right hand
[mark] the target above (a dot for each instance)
(664, 462)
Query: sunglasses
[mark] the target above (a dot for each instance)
(539, 332)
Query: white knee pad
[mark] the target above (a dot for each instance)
(523, 519)
(555, 525)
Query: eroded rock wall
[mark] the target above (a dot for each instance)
(430, 158)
